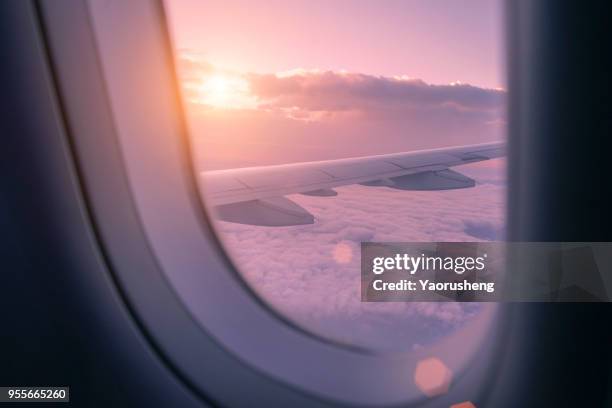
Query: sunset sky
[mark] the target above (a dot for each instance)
(438, 41)
(295, 81)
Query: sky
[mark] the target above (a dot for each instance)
(289, 81)
(272, 82)
(439, 41)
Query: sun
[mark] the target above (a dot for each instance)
(224, 92)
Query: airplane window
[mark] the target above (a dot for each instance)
(280, 97)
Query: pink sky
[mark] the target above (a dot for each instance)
(439, 41)
(286, 81)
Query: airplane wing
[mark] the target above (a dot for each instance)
(256, 195)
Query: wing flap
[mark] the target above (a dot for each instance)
(432, 180)
(269, 212)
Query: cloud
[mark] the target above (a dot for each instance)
(311, 273)
(331, 91)
(315, 95)
(304, 115)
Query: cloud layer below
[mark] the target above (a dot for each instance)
(311, 273)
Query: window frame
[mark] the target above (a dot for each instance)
(135, 172)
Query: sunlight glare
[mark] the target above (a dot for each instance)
(224, 92)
